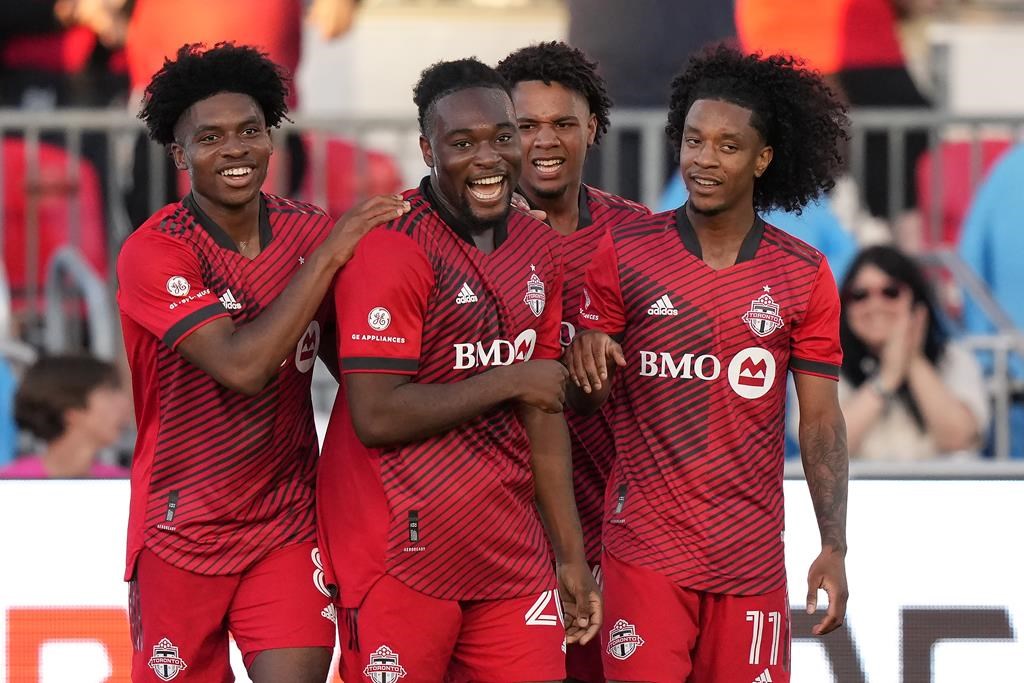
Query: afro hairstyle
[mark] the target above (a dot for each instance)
(557, 62)
(444, 78)
(196, 73)
(791, 107)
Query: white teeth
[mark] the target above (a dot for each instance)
(705, 183)
(548, 163)
(492, 180)
(236, 171)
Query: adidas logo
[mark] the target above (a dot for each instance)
(764, 677)
(229, 301)
(662, 307)
(466, 295)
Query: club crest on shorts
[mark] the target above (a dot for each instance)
(535, 296)
(384, 666)
(165, 662)
(623, 640)
(763, 316)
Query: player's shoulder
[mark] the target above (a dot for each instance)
(278, 204)
(170, 226)
(791, 246)
(601, 199)
(642, 225)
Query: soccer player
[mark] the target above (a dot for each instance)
(220, 297)
(698, 313)
(562, 110)
(447, 456)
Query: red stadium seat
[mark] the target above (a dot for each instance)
(955, 185)
(52, 196)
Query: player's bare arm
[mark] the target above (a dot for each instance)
(592, 360)
(826, 466)
(389, 410)
(245, 358)
(551, 462)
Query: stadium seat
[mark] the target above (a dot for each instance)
(955, 186)
(52, 196)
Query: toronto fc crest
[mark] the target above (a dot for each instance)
(535, 296)
(384, 666)
(623, 640)
(763, 316)
(165, 662)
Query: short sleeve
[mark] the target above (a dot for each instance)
(815, 348)
(161, 287)
(380, 300)
(601, 306)
(549, 328)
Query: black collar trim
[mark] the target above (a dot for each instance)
(219, 235)
(689, 237)
(457, 225)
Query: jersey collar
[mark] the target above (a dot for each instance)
(689, 237)
(457, 225)
(218, 234)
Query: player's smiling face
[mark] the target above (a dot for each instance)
(720, 156)
(474, 153)
(224, 144)
(557, 128)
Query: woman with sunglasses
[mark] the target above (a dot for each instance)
(908, 391)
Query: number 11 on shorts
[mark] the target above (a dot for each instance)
(757, 631)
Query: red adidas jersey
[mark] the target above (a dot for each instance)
(219, 479)
(593, 449)
(696, 488)
(452, 516)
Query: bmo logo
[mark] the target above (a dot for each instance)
(497, 352)
(687, 366)
(752, 372)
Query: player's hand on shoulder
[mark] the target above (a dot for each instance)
(519, 202)
(359, 220)
(539, 383)
(588, 359)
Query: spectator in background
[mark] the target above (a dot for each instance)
(907, 390)
(856, 44)
(991, 244)
(640, 46)
(77, 406)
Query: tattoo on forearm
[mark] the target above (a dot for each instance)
(827, 468)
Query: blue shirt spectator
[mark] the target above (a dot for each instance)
(818, 225)
(991, 244)
(8, 430)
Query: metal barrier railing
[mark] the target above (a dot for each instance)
(67, 267)
(397, 134)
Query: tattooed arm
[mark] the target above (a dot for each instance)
(827, 469)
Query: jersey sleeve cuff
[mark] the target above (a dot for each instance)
(394, 366)
(192, 322)
(814, 367)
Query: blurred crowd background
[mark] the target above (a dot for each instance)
(923, 232)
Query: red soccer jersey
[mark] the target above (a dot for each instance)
(452, 516)
(593, 449)
(219, 479)
(696, 488)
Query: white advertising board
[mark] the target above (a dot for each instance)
(935, 573)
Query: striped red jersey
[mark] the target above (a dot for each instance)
(593, 449)
(696, 489)
(219, 479)
(452, 516)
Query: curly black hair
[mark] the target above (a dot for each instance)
(444, 78)
(197, 73)
(55, 385)
(557, 62)
(793, 109)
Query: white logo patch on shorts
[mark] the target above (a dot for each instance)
(623, 640)
(165, 662)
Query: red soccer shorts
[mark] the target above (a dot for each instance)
(657, 632)
(180, 620)
(401, 634)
